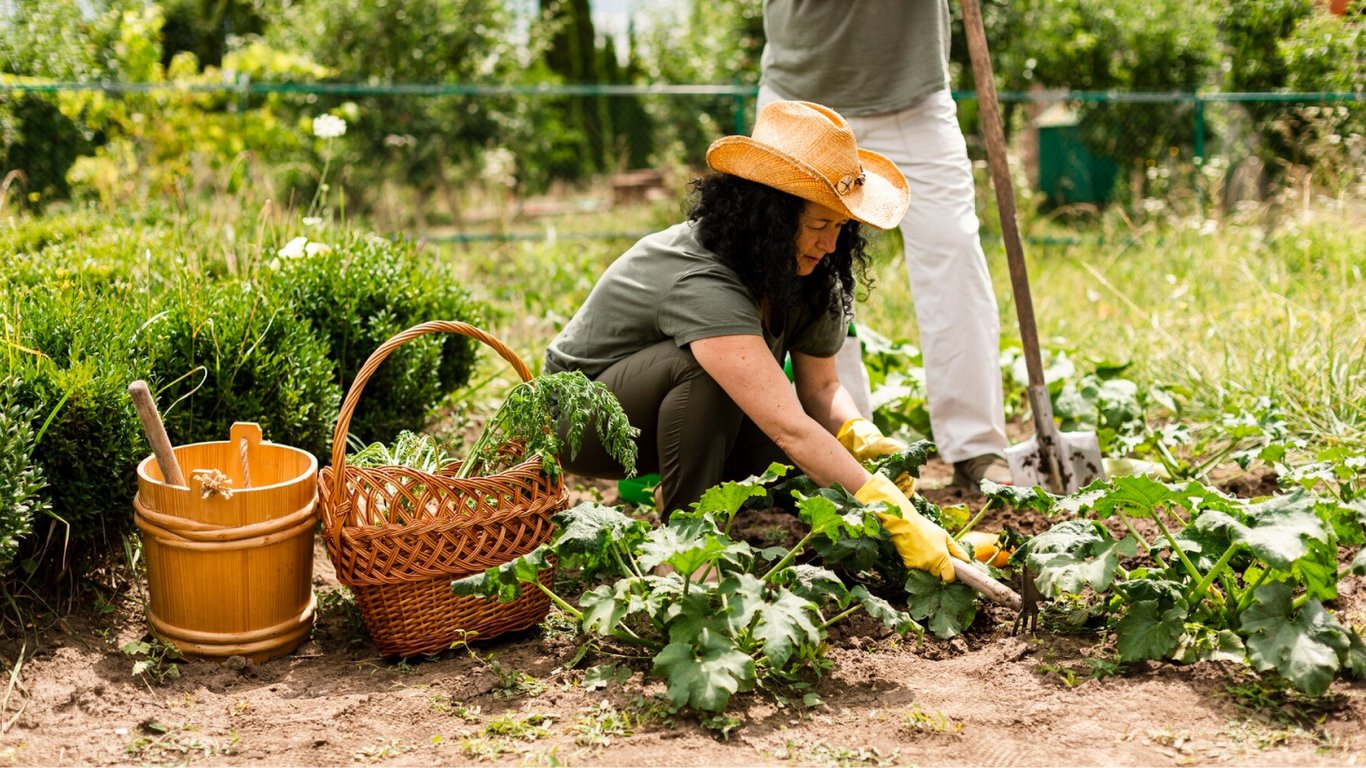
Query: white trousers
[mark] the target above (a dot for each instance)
(955, 307)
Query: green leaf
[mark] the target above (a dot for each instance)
(687, 544)
(1355, 658)
(689, 616)
(823, 516)
(950, 608)
(899, 621)
(816, 584)
(1358, 566)
(1277, 530)
(1019, 497)
(742, 594)
(703, 674)
(505, 581)
(1302, 645)
(1148, 632)
(1164, 592)
(604, 675)
(727, 498)
(907, 462)
(605, 606)
(1076, 554)
(784, 624)
(587, 533)
(1136, 496)
(1202, 643)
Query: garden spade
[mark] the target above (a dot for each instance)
(1062, 462)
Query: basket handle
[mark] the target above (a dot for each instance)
(378, 356)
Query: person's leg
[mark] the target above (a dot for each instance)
(687, 423)
(955, 306)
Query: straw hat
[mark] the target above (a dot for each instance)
(809, 151)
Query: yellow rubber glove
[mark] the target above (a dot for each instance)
(921, 544)
(865, 441)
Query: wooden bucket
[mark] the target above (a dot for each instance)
(231, 575)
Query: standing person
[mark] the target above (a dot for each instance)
(883, 64)
(689, 327)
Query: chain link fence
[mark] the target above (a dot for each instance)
(485, 162)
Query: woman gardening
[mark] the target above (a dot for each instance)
(689, 327)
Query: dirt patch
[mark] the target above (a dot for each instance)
(984, 698)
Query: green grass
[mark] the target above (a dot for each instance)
(1229, 312)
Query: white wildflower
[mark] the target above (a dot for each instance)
(500, 167)
(328, 126)
(313, 249)
(274, 265)
(312, 221)
(293, 249)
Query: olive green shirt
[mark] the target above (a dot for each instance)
(858, 57)
(667, 286)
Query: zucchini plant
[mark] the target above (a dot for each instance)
(713, 614)
(1216, 577)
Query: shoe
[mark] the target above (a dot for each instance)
(969, 473)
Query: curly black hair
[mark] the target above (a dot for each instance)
(753, 228)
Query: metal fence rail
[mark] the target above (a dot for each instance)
(419, 134)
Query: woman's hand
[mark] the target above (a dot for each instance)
(921, 544)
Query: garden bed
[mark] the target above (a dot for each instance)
(983, 698)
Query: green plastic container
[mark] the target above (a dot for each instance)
(1068, 172)
(638, 490)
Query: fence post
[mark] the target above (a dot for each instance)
(1198, 149)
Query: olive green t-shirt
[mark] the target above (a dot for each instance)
(858, 57)
(667, 286)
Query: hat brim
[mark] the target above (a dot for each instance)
(881, 200)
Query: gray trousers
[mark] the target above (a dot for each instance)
(691, 432)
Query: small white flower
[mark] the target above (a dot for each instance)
(293, 249)
(328, 126)
(274, 265)
(312, 221)
(313, 249)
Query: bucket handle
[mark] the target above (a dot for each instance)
(245, 436)
(373, 362)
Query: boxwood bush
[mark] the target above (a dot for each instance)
(21, 479)
(91, 305)
(359, 293)
(230, 351)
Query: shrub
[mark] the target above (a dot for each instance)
(359, 294)
(259, 363)
(21, 480)
(69, 351)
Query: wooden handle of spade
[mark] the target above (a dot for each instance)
(981, 581)
(156, 433)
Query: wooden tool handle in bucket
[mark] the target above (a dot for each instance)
(156, 433)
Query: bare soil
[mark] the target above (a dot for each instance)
(985, 698)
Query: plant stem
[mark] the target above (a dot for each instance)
(1198, 593)
(1247, 595)
(560, 602)
(1129, 524)
(789, 557)
(481, 444)
(1180, 555)
(969, 525)
(839, 616)
(626, 565)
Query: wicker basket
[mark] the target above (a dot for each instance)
(398, 536)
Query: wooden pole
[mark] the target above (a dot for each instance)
(156, 433)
